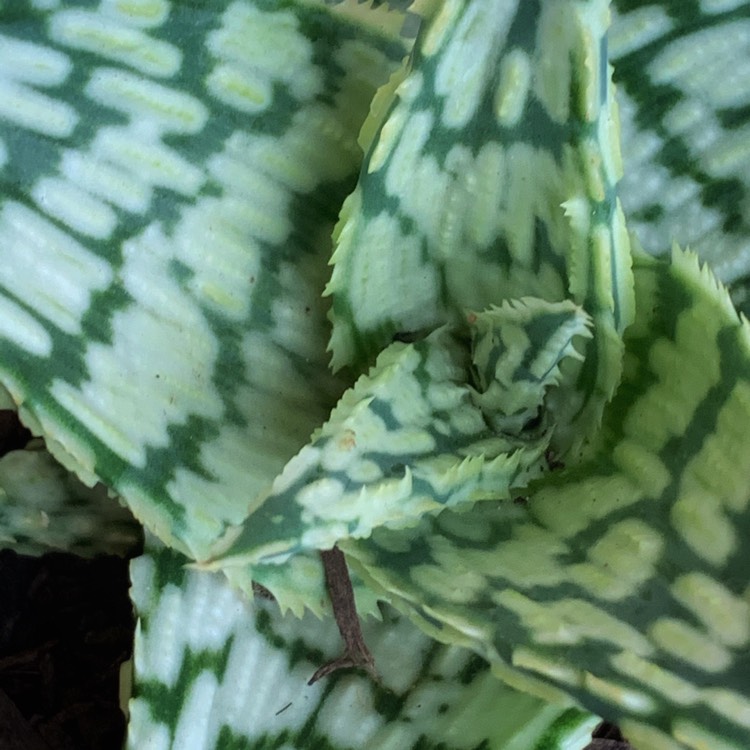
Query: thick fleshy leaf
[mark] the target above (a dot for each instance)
(491, 176)
(682, 72)
(413, 436)
(217, 672)
(170, 176)
(43, 508)
(624, 580)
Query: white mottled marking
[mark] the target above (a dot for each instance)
(92, 409)
(141, 13)
(628, 550)
(719, 467)
(642, 466)
(729, 156)
(721, 6)
(668, 684)
(149, 160)
(461, 74)
(216, 612)
(225, 261)
(544, 626)
(239, 470)
(34, 111)
(161, 659)
(241, 89)
(268, 368)
(143, 730)
(95, 32)
(394, 275)
(250, 707)
(487, 194)
(723, 613)
(143, 100)
(122, 189)
(443, 22)
(702, 523)
(525, 658)
(20, 327)
(31, 63)
(601, 582)
(636, 29)
(735, 706)
(260, 201)
(685, 115)
(689, 645)
(587, 499)
(409, 166)
(646, 736)
(267, 45)
(142, 577)
(513, 87)
(633, 701)
(557, 33)
(174, 367)
(335, 721)
(693, 61)
(392, 129)
(65, 272)
(694, 735)
(74, 207)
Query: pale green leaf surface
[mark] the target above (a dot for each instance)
(624, 580)
(491, 175)
(215, 671)
(170, 176)
(683, 82)
(414, 436)
(43, 508)
(6, 400)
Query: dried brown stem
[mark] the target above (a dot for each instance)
(341, 593)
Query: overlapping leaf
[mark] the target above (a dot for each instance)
(170, 176)
(491, 175)
(682, 72)
(215, 671)
(44, 508)
(432, 425)
(624, 581)
(408, 439)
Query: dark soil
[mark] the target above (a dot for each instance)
(608, 737)
(66, 626)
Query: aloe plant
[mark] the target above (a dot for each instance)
(530, 443)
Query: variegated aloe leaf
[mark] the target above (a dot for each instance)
(413, 436)
(683, 76)
(216, 672)
(6, 400)
(491, 175)
(43, 508)
(170, 176)
(624, 581)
